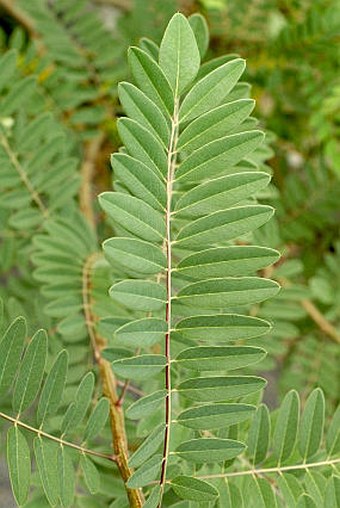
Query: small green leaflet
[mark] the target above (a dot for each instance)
(215, 416)
(259, 434)
(221, 193)
(220, 388)
(221, 327)
(200, 28)
(91, 474)
(146, 405)
(151, 79)
(139, 367)
(214, 124)
(305, 501)
(333, 434)
(66, 475)
(226, 261)
(143, 145)
(147, 473)
(143, 332)
(19, 464)
(209, 450)
(134, 215)
(31, 372)
(286, 427)
(211, 90)
(77, 410)
(149, 446)
(134, 255)
(97, 419)
(11, 347)
(216, 358)
(140, 180)
(46, 458)
(227, 224)
(312, 422)
(139, 107)
(194, 489)
(179, 56)
(221, 293)
(52, 391)
(139, 294)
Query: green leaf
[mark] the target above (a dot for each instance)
(221, 293)
(230, 496)
(227, 224)
(31, 372)
(305, 501)
(133, 214)
(259, 493)
(219, 194)
(214, 124)
(154, 498)
(151, 79)
(52, 392)
(220, 388)
(200, 28)
(97, 420)
(143, 145)
(286, 427)
(179, 56)
(139, 294)
(11, 347)
(215, 416)
(147, 473)
(140, 180)
(226, 261)
(290, 487)
(203, 450)
(333, 434)
(134, 255)
(259, 434)
(146, 405)
(46, 459)
(332, 494)
(205, 358)
(149, 47)
(19, 464)
(77, 410)
(315, 486)
(8, 63)
(138, 106)
(213, 158)
(312, 422)
(142, 332)
(211, 90)
(194, 489)
(91, 474)
(139, 367)
(149, 446)
(66, 475)
(20, 92)
(221, 327)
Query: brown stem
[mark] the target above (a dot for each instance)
(324, 325)
(21, 17)
(87, 173)
(119, 437)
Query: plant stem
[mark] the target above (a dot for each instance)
(14, 421)
(324, 325)
(87, 172)
(24, 178)
(119, 437)
(169, 183)
(272, 469)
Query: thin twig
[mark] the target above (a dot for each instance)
(119, 437)
(271, 469)
(39, 432)
(87, 173)
(324, 325)
(23, 177)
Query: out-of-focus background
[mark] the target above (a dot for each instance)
(70, 56)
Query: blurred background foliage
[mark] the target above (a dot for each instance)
(62, 61)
